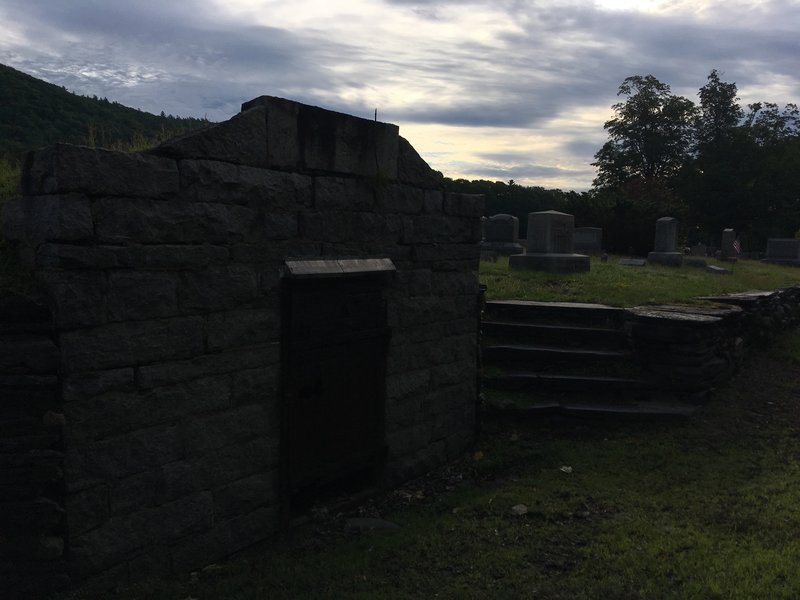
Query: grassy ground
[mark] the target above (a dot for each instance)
(616, 285)
(699, 508)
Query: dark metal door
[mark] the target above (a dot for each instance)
(334, 371)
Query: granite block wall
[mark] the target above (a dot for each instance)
(164, 271)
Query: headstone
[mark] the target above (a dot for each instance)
(589, 240)
(501, 235)
(784, 251)
(550, 245)
(550, 232)
(666, 238)
(698, 250)
(726, 247)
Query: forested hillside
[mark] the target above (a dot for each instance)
(35, 113)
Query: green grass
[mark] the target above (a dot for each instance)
(616, 285)
(698, 508)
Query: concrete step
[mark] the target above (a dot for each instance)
(639, 404)
(502, 355)
(570, 313)
(563, 335)
(536, 382)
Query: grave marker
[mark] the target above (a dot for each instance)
(550, 245)
(665, 243)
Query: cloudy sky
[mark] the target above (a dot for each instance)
(490, 89)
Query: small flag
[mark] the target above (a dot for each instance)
(737, 246)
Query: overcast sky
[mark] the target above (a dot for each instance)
(491, 89)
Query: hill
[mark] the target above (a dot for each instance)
(35, 113)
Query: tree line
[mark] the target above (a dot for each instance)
(34, 113)
(712, 164)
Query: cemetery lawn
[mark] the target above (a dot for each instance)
(704, 507)
(618, 285)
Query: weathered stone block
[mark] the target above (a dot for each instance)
(340, 193)
(464, 205)
(140, 295)
(135, 492)
(403, 199)
(399, 385)
(411, 168)
(79, 297)
(125, 344)
(246, 495)
(124, 220)
(433, 202)
(218, 288)
(124, 455)
(210, 432)
(121, 538)
(85, 385)
(433, 253)
(150, 376)
(348, 227)
(72, 257)
(57, 218)
(405, 412)
(62, 168)
(309, 138)
(224, 465)
(115, 413)
(409, 440)
(179, 257)
(279, 226)
(219, 182)
(87, 509)
(256, 385)
(242, 328)
(451, 373)
(224, 539)
(239, 140)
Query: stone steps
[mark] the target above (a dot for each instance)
(564, 335)
(566, 357)
(554, 313)
(589, 404)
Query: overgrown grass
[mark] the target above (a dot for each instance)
(701, 508)
(617, 285)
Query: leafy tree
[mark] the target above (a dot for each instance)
(720, 114)
(769, 125)
(650, 136)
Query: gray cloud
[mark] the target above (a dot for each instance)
(554, 60)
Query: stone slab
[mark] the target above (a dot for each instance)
(672, 259)
(632, 262)
(315, 139)
(718, 270)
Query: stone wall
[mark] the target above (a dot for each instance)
(32, 524)
(692, 349)
(165, 271)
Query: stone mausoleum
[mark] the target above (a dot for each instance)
(243, 318)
